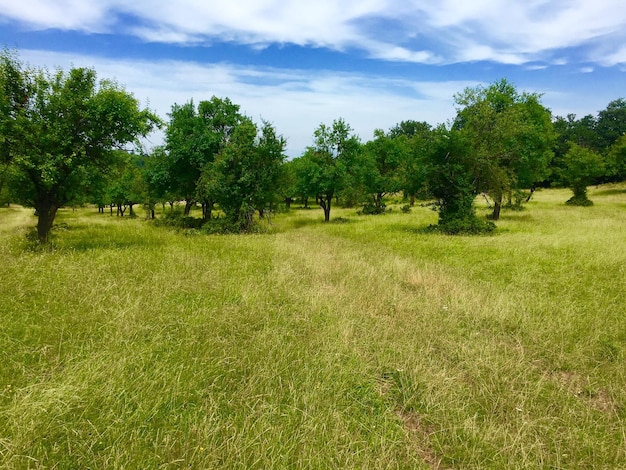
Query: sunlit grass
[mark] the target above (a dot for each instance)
(364, 343)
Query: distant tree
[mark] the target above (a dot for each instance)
(510, 135)
(583, 165)
(307, 174)
(70, 127)
(415, 138)
(267, 169)
(193, 139)
(452, 181)
(329, 160)
(245, 174)
(616, 159)
(129, 187)
(610, 124)
(379, 166)
(288, 183)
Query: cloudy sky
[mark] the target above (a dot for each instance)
(299, 63)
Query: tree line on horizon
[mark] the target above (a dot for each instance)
(68, 139)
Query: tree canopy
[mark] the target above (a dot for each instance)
(66, 131)
(67, 138)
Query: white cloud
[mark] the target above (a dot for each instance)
(296, 102)
(512, 32)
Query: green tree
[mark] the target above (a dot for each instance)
(193, 139)
(15, 87)
(246, 173)
(379, 166)
(510, 135)
(415, 138)
(583, 166)
(70, 127)
(451, 176)
(306, 172)
(616, 159)
(267, 170)
(610, 124)
(329, 160)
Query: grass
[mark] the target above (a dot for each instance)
(361, 344)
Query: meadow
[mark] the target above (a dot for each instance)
(363, 343)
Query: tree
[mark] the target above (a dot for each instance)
(451, 176)
(329, 161)
(15, 88)
(70, 127)
(267, 170)
(245, 174)
(616, 160)
(611, 124)
(415, 138)
(510, 135)
(583, 165)
(379, 168)
(193, 139)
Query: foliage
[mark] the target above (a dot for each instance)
(329, 163)
(70, 128)
(616, 159)
(194, 137)
(611, 124)
(378, 169)
(510, 136)
(582, 167)
(452, 180)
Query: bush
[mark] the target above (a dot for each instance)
(369, 208)
(579, 201)
(406, 208)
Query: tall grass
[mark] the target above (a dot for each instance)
(363, 344)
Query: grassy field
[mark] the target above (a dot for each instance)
(365, 343)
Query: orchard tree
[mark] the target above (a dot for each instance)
(245, 175)
(330, 160)
(415, 137)
(70, 127)
(452, 178)
(510, 136)
(616, 159)
(193, 138)
(379, 166)
(611, 124)
(15, 87)
(582, 167)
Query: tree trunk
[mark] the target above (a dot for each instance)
(131, 213)
(378, 198)
(325, 204)
(188, 206)
(412, 200)
(306, 202)
(288, 202)
(207, 210)
(497, 205)
(261, 213)
(532, 190)
(46, 211)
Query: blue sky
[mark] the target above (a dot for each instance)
(300, 63)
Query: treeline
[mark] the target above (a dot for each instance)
(66, 139)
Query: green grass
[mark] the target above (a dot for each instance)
(362, 344)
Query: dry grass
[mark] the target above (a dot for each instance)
(363, 344)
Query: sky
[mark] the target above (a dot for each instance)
(300, 63)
